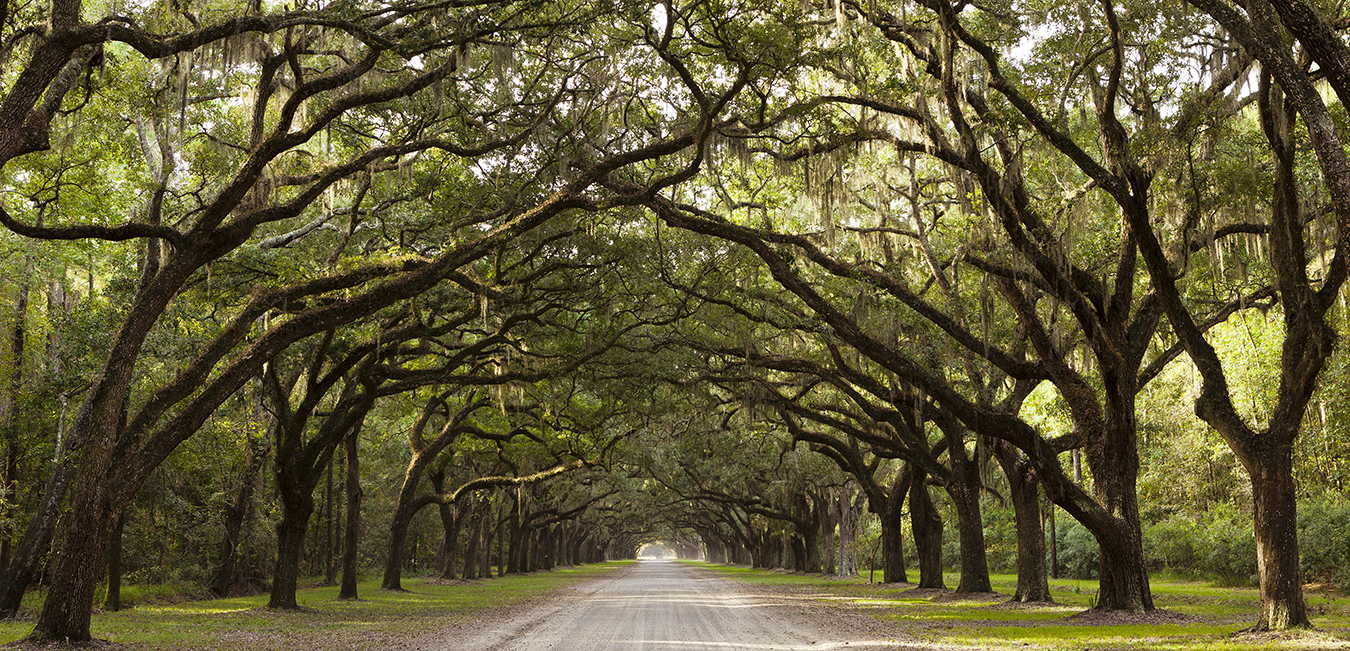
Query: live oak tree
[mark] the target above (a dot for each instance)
(316, 76)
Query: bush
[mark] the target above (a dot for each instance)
(1078, 550)
(1324, 541)
(1226, 547)
(1220, 546)
(1170, 545)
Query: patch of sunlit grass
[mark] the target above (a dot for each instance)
(383, 618)
(1213, 615)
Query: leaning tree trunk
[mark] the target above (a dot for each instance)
(398, 538)
(69, 604)
(927, 525)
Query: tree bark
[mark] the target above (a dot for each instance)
(1024, 493)
(892, 528)
(1275, 504)
(352, 528)
(290, 546)
(927, 526)
(827, 506)
(112, 601)
(471, 542)
(964, 488)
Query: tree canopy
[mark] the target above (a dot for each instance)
(760, 279)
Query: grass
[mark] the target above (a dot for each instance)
(380, 619)
(1213, 615)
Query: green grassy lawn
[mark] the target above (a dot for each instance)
(1207, 617)
(380, 618)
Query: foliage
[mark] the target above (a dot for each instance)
(1324, 540)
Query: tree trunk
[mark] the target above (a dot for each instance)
(1054, 541)
(798, 554)
(849, 513)
(892, 540)
(329, 541)
(290, 546)
(828, 516)
(964, 488)
(398, 539)
(927, 525)
(1114, 460)
(485, 558)
(470, 569)
(1275, 525)
(236, 515)
(1023, 492)
(113, 600)
(79, 563)
(449, 527)
(352, 530)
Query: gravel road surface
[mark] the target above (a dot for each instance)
(664, 606)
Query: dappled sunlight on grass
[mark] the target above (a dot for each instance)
(1207, 616)
(244, 623)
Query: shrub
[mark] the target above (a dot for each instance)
(1170, 545)
(1219, 546)
(1078, 550)
(1226, 547)
(1324, 540)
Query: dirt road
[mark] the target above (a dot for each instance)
(662, 606)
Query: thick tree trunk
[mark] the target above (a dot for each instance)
(450, 523)
(471, 549)
(79, 563)
(849, 513)
(892, 540)
(927, 526)
(964, 488)
(798, 546)
(290, 547)
(1275, 525)
(1024, 493)
(352, 530)
(398, 539)
(1114, 460)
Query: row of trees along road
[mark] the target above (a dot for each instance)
(772, 276)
